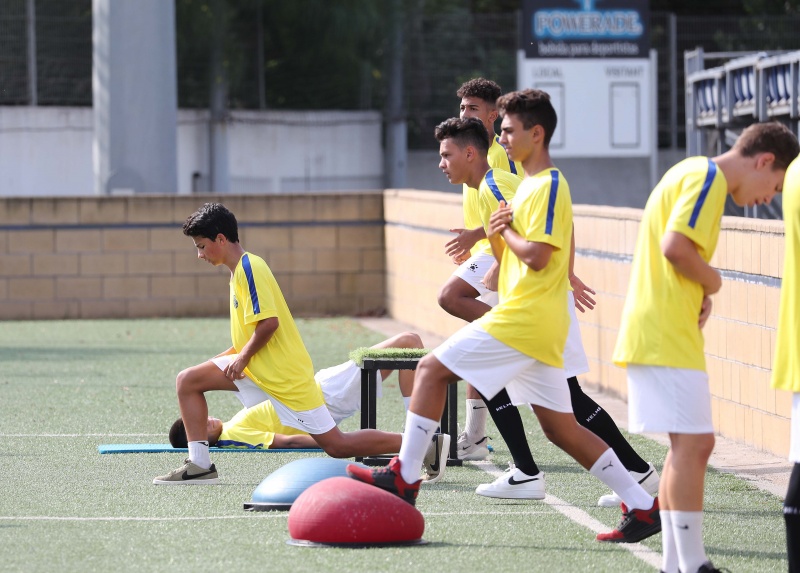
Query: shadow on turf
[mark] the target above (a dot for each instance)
(728, 552)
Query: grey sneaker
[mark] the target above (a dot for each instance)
(435, 460)
(189, 474)
(472, 451)
(649, 481)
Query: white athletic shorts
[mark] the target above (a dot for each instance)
(671, 400)
(575, 361)
(489, 365)
(472, 271)
(341, 387)
(315, 421)
(794, 448)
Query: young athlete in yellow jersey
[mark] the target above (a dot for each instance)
(457, 295)
(786, 366)
(518, 344)
(668, 302)
(270, 358)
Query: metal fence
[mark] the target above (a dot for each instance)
(441, 50)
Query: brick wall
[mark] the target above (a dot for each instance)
(115, 257)
(740, 335)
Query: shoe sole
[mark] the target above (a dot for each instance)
(609, 501)
(442, 459)
(474, 456)
(643, 534)
(213, 481)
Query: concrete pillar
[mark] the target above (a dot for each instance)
(134, 88)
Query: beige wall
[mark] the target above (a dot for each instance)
(105, 257)
(740, 336)
(94, 257)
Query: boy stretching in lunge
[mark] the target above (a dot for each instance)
(269, 353)
(259, 427)
(668, 303)
(463, 149)
(519, 344)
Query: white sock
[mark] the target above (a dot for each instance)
(669, 563)
(687, 527)
(406, 401)
(609, 470)
(198, 454)
(416, 437)
(476, 420)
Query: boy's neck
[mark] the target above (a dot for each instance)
(233, 254)
(538, 161)
(477, 173)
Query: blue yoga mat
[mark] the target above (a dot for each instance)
(157, 448)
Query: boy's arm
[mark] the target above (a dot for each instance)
(465, 239)
(535, 255)
(263, 332)
(579, 289)
(498, 221)
(300, 441)
(682, 253)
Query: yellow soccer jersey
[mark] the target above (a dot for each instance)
(786, 366)
(498, 158)
(472, 217)
(532, 314)
(282, 367)
(659, 321)
(254, 428)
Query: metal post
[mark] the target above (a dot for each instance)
(31, 20)
(653, 118)
(219, 180)
(262, 91)
(673, 84)
(396, 134)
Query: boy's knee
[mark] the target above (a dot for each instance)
(336, 451)
(410, 340)
(445, 297)
(184, 380)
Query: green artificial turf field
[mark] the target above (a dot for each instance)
(68, 386)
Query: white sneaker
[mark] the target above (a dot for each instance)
(435, 460)
(472, 451)
(514, 484)
(649, 480)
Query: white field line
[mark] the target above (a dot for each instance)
(81, 435)
(652, 558)
(243, 515)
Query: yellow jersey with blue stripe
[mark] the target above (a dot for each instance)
(497, 185)
(659, 325)
(532, 315)
(283, 366)
(254, 428)
(786, 365)
(498, 158)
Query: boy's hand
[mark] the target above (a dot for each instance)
(579, 290)
(458, 248)
(500, 219)
(235, 370)
(705, 311)
(489, 280)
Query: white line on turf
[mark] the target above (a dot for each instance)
(80, 435)
(582, 518)
(244, 515)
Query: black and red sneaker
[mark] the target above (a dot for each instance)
(636, 524)
(387, 478)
